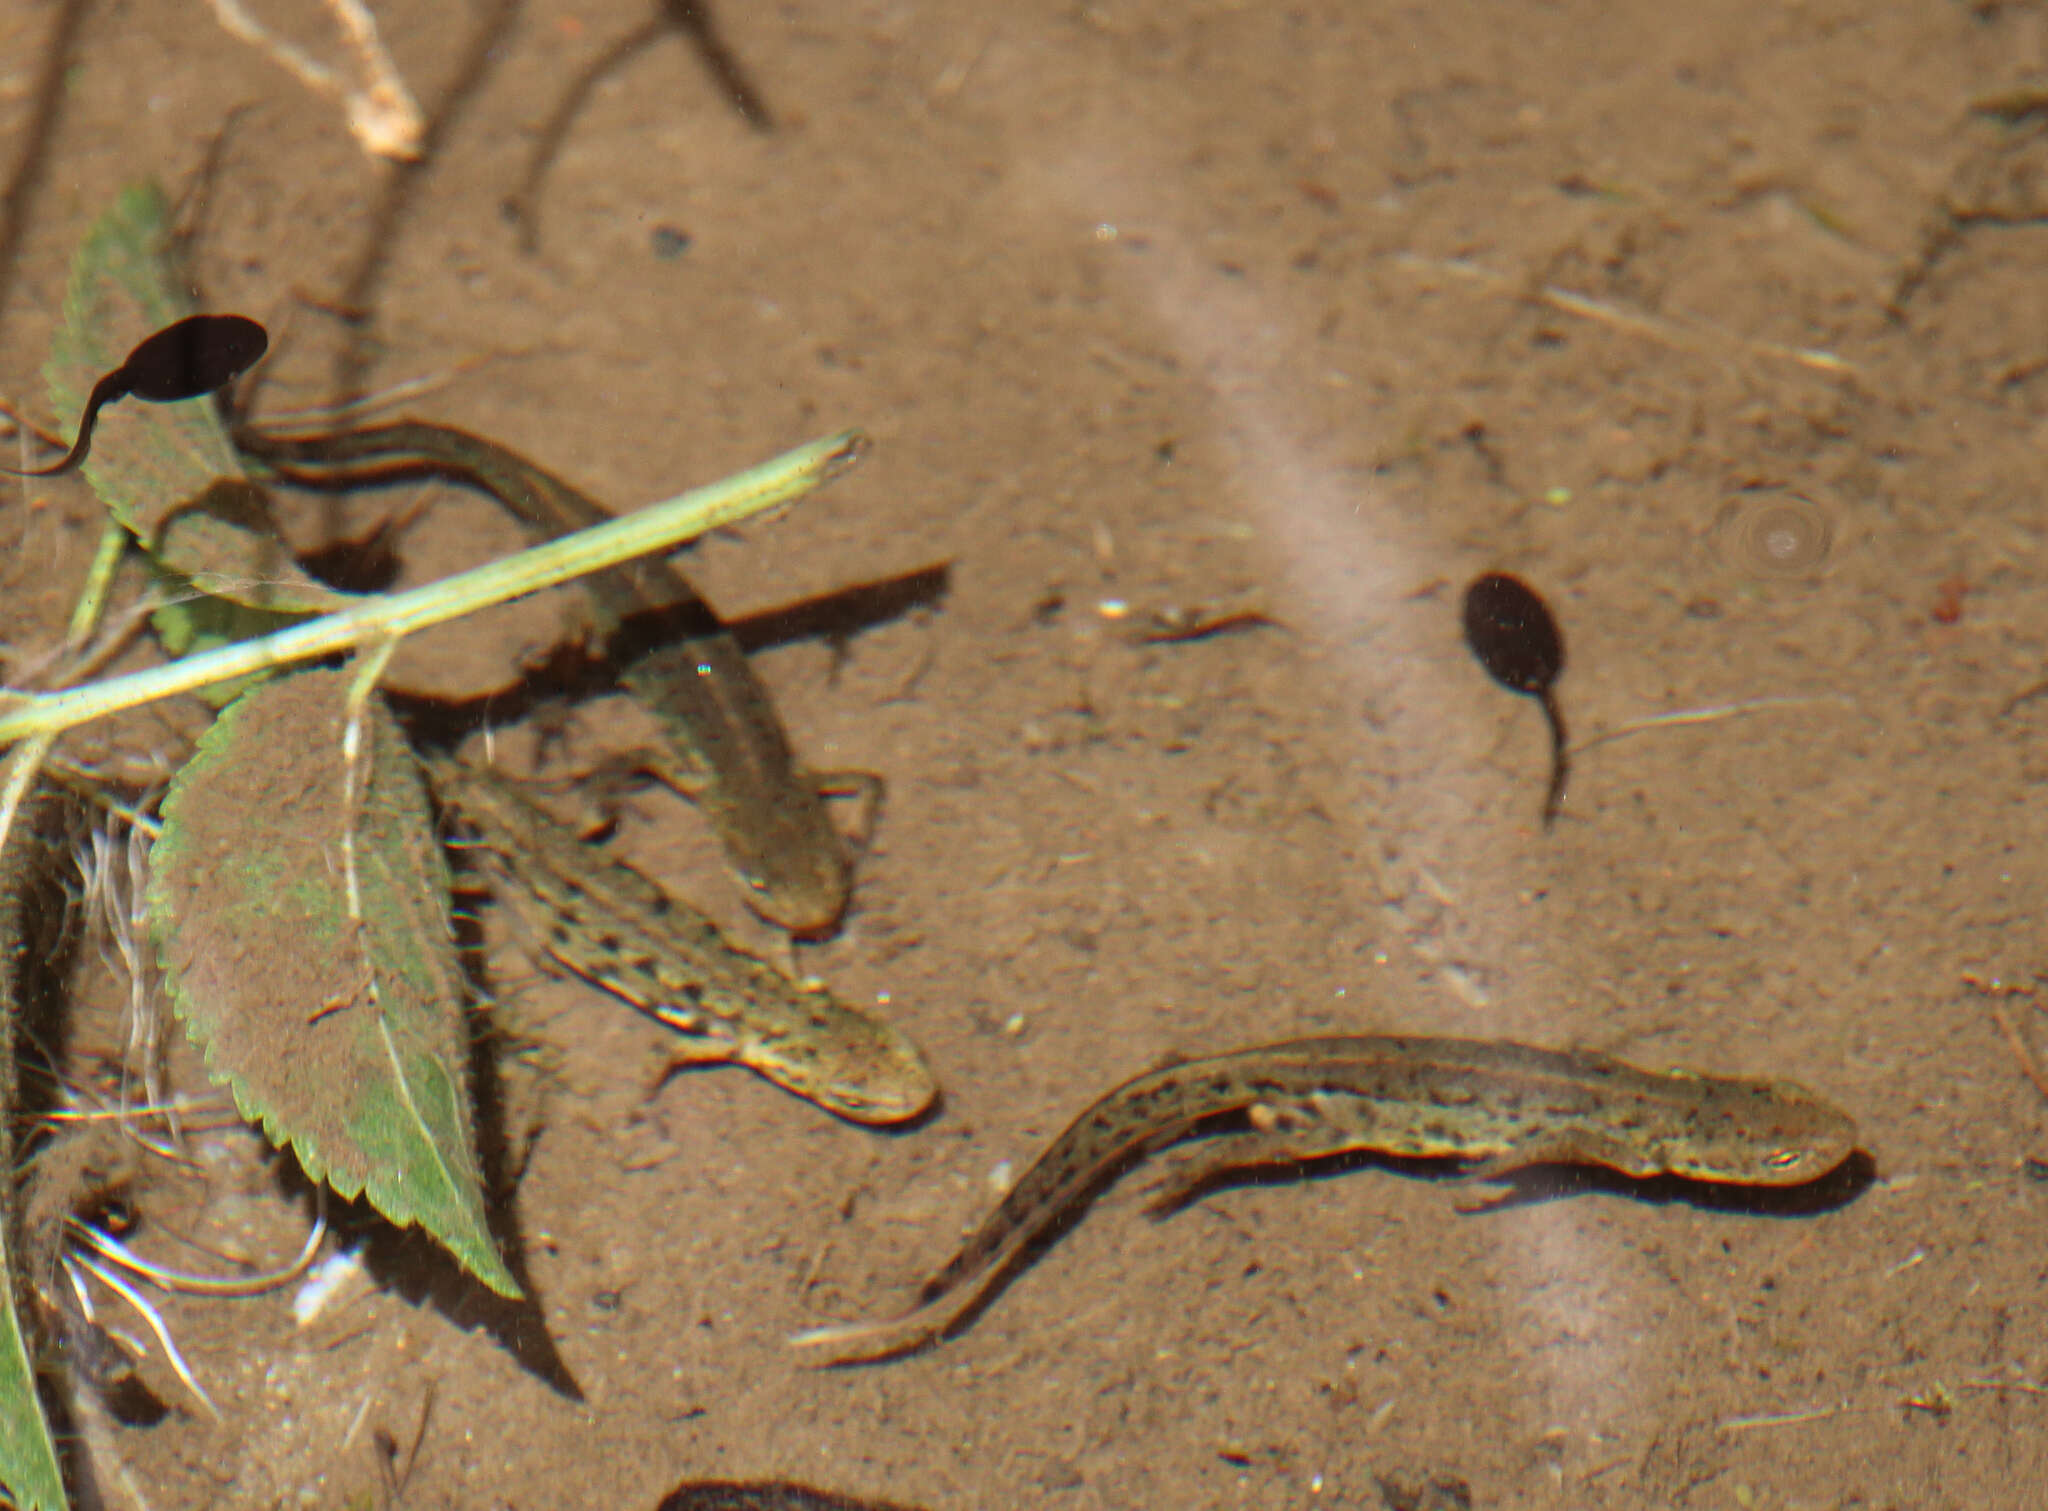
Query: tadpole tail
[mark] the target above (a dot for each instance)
(104, 392)
(1560, 758)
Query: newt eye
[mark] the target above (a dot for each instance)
(1783, 1159)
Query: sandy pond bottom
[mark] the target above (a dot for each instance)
(1322, 309)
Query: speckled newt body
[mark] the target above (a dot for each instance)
(1495, 1105)
(605, 922)
(730, 752)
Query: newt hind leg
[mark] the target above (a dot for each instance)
(1290, 1134)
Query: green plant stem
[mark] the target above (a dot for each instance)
(659, 527)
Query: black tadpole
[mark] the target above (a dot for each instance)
(182, 361)
(1513, 636)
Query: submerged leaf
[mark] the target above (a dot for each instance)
(28, 1456)
(168, 472)
(333, 1011)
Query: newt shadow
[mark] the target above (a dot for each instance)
(1536, 1184)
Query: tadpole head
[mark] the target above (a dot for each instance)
(194, 356)
(1512, 634)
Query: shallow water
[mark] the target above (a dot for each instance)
(1318, 310)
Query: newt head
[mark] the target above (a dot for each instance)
(849, 1063)
(1761, 1133)
(803, 888)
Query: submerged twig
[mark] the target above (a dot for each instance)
(1711, 714)
(1660, 328)
(382, 114)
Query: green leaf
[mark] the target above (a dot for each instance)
(338, 1024)
(168, 472)
(28, 1456)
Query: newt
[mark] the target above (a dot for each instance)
(1495, 1106)
(608, 924)
(725, 745)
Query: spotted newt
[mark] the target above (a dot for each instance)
(1495, 1106)
(605, 922)
(729, 751)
